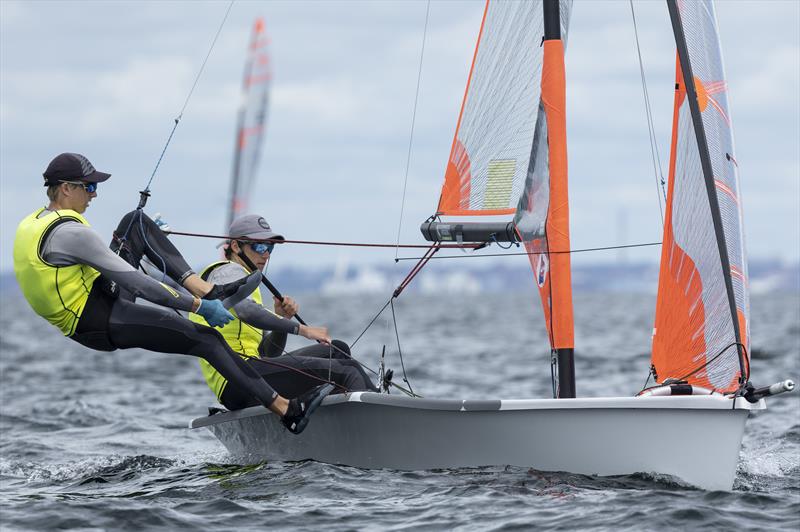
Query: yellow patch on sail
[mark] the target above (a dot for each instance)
(498, 187)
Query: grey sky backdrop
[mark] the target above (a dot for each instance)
(107, 78)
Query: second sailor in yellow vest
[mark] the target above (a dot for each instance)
(259, 335)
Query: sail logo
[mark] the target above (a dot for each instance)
(542, 267)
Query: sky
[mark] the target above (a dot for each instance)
(107, 79)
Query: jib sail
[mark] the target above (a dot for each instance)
(702, 312)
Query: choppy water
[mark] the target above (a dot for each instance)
(99, 441)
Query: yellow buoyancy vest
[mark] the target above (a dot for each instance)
(56, 293)
(243, 338)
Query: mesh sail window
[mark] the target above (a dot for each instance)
(492, 144)
(703, 275)
(251, 121)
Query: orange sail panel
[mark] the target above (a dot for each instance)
(542, 218)
(251, 121)
(491, 146)
(694, 335)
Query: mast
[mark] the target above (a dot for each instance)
(708, 175)
(509, 155)
(562, 340)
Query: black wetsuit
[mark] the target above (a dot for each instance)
(111, 320)
(292, 373)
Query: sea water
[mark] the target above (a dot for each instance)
(99, 441)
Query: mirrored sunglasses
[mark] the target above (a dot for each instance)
(262, 247)
(88, 187)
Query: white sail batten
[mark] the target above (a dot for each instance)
(695, 330)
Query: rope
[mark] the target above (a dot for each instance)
(704, 365)
(328, 243)
(411, 135)
(354, 342)
(144, 194)
(743, 378)
(654, 155)
(417, 246)
(400, 351)
(188, 97)
(272, 362)
(584, 250)
(416, 269)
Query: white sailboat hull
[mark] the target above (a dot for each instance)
(694, 438)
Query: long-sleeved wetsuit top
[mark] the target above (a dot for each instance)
(75, 243)
(254, 314)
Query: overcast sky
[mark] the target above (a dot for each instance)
(106, 79)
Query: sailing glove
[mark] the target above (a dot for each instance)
(214, 313)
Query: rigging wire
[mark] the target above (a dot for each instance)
(473, 246)
(584, 250)
(411, 135)
(654, 154)
(325, 243)
(331, 349)
(354, 342)
(144, 194)
(188, 96)
(399, 350)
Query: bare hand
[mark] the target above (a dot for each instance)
(286, 309)
(319, 334)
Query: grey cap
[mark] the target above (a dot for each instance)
(252, 227)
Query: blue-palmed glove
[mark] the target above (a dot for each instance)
(214, 313)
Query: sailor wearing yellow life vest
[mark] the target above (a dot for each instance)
(86, 290)
(290, 374)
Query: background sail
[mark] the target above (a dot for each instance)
(492, 144)
(251, 121)
(694, 326)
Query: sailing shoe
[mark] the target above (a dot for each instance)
(300, 408)
(232, 293)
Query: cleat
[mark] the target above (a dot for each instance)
(301, 408)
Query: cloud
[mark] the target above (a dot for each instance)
(336, 146)
(772, 86)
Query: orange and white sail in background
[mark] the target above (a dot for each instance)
(251, 123)
(694, 336)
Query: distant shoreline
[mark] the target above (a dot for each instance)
(766, 276)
